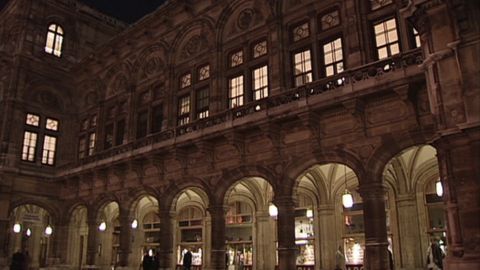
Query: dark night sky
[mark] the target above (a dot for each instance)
(128, 11)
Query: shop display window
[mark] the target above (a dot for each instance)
(304, 237)
(190, 232)
(238, 235)
(238, 254)
(151, 229)
(196, 251)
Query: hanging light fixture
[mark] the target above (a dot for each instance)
(309, 213)
(17, 228)
(103, 226)
(347, 199)
(439, 188)
(134, 224)
(272, 210)
(48, 230)
(28, 232)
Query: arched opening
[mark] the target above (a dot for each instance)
(77, 238)
(29, 234)
(146, 231)
(250, 239)
(108, 237)
(191, 227)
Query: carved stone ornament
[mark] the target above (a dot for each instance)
(245, 18)
(194, 46)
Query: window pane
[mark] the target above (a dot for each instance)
(186, 80)
(301, 32)
(330, 20)
(202, 103)
(260, 49)
(333, 57)
(260, 83)
(235, 86)
(58, 46)
(29, 146)
(32, 120)
(91, 143)
(49, 147)
(386, 38)
(204, 73)
(49, 42)
(184, 110)
(303, 68)
(416, 35)
(51, 124)
(82, 144)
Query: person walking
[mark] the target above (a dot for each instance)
(187, 260)
(434, 256)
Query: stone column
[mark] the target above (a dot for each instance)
(264, 250)
(459, 163)
(325, 241)
(286, 233)
(59, 243)
(5, 232)
(125, 248)
(166, 249)
(375, 219)
(92, 241)
(408, 228)
(217, 252)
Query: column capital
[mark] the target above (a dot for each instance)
(217, 209)
(284, 201)
(372, 191)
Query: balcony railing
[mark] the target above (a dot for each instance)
(349, 78)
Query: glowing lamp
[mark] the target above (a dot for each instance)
(17, 228)
(439, 188)
(28, 232)
(272, 210)
(309, 213)
(103, 226)
(347, 199)
(48, 230)
(134, 224)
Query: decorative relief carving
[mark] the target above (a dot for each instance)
(152, 66)
(194, 46)
(245, 18)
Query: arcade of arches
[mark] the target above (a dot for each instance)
(116, 231)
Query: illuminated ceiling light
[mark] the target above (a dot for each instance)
(273, 210)
(48, 230)
(17, 228)
(309, 213)
(28, 232)
(103, 226)
(439, 188)
(134, 224)
(347, 198)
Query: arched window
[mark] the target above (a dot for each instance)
(54, 41)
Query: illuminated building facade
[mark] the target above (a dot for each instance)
(233, 129)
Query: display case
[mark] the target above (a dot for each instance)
(238, 235)
(151, 231)
(190, 235)
(304, 237)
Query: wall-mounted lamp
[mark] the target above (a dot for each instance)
(439, 188)
(28, 233)
(102, 227)
(48, 230)
(17, 228)
(347, 198)
(272, 210)
(134, 224)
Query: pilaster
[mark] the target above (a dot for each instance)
(217, 252)
(286, 233)
(166, 249)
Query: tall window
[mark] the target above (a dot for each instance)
(302, 67)
(416, 37)
(54, 40)
(260, 82)
(115, 125)
(202, 103)
(333, 57)
(86, 142)
(248, 74)
(184, 110)
(386, 38)
(235, 89)
(35, 130)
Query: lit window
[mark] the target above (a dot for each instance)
(260, 49)
(236, 59)
(54, 40)
(386, 38)
(186, 80)
(184, 110)
(376, 4)
(204, 72)
(302, 68)
(333, 57)
(32, 120)
(330, 20)
(49, 147)
(260, 82)
(300, 32)
(416, 35)
(51, 124)
(29, 145)
(91, 143)
(202, 103)
(235, 87)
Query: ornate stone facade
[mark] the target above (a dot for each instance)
(185, 124)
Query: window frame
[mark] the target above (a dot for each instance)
(322, 65)
(53, 50)
(293, 65)
(387, 45)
